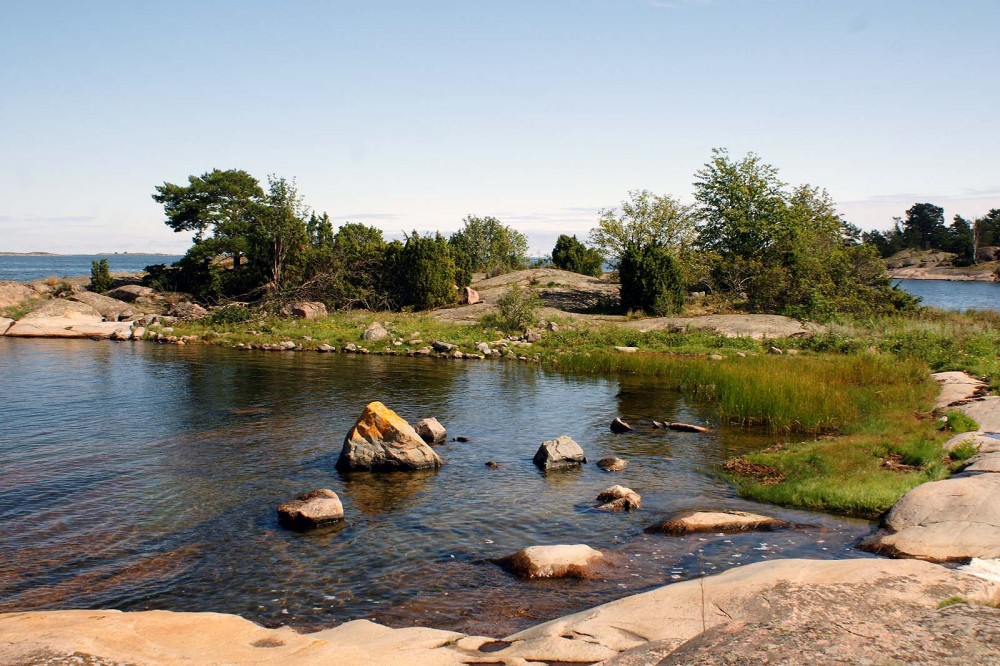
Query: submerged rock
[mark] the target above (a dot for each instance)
(693, 520)
(431, 430)
(619, 498)
(311, 509)
(685, 427)
(383, 440)
(559, 452)
(573, 561)
(612, 464)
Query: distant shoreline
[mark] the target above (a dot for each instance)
(89, 254)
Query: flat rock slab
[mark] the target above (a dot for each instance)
(945, 521)
(986, 412)
(110, 308)
(61, 318)
(692, 521)
(730, 326)
(13, 293)
(866, 594)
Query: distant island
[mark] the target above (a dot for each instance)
(85, 254)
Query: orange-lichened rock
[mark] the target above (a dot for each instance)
(382, 440)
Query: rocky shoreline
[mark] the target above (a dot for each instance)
(781, 611)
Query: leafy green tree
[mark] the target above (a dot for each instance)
(225, 203)
(425, 272)
(516, 308)
(651, 280)
(644, 219)
(741, 205)
(569, 254)
(279, 237)
(484, 244)
(360, 272)
(100, 276)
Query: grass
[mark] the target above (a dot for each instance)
(958, 422)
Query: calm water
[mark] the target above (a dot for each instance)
(74, 265)
(949, 295)
(137, 476)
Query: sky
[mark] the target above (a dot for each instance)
(410, 115)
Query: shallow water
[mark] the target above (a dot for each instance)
(137, 476)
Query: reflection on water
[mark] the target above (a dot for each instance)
(137, 476)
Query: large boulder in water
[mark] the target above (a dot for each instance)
(382, 440)
(559, 452)
(311, 509)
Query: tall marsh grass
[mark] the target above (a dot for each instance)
(800, 394)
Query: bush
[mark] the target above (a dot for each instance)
(515, 309)
(100, 276)
(651, 281)
(569, 254)
(233, 313)
(425, 272)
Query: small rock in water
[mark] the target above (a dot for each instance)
(431, 430)
(559, 452)
(462, 438)
(620, 426)
(311, 509)
(619, 498)
(576, 561)
(612, 464)
(492, 464)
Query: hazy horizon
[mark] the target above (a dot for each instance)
(411, 116)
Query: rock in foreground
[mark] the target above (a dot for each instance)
(311, 509)
(559, 452)
(431, 430)
(576, 561)
(690, 521)
(382, 440)
(944, 521)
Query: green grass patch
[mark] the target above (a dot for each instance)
(959, 422)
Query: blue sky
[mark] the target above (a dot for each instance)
(410, 115)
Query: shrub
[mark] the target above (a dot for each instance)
(963, 451)
(233, 313)
(515, 309)
(100, 276)
(651, 281)
(425, 272)
(570, 254)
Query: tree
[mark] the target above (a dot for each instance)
(569, 254)
(651, 280)
(741, 205)
(643, 219)
(100, 276)
(924, 227)
(278, 237)
(223, 202)
(484, 244)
